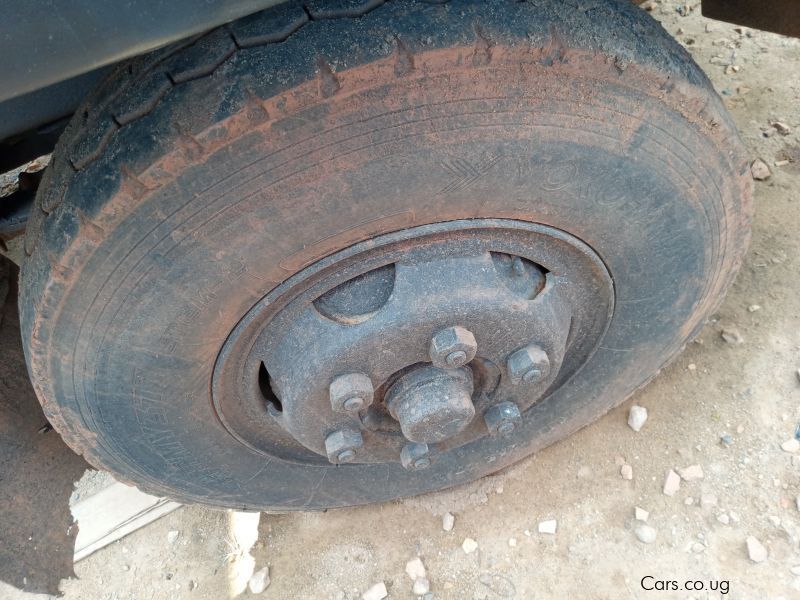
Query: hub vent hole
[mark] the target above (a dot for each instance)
(358, 299)
(520, 275)
(271, 400)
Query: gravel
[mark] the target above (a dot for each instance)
(637, 417)
(646, 534)
(756, 550)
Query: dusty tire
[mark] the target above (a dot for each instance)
(196, 179)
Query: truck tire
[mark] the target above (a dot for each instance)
(242, 232)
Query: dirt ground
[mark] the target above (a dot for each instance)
(725, 406)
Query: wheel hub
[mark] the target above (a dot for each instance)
(414, 344)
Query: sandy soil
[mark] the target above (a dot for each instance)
(748, 391)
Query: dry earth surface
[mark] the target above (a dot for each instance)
(726, 406)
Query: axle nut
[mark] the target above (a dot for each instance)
(528, 365)
(452, 348)
(502, 418)
(432, 404)
(351, 392)
(341, 446)
(415, 457)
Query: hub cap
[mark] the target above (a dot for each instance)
(412, 344)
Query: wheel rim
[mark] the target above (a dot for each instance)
(408, 346)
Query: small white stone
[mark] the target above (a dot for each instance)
(688, 501)
(626, 471)
(723, 518)
(415, 569)
(795, 570)
(469, 546)
(732, 336)
(512, 542)
(376, 592)
(776, 521)
(672, 483)
(636, 417)
(792, 445)
(697, 547)
(641, 514)
(734, 516)
(421, 587)
(646, 534)
(755, 550)
(707, 500)
(691, 473)
(172, 536)
(753, 308)
(259, 581)
(448, 521)
(548, 526)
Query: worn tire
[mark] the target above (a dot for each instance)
(196, 178)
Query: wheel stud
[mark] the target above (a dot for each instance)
(341, 446)
(529, 365)
(452, 348)
(415, 457)
(502, 418)
(351, 392)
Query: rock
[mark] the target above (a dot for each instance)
(723, 518)
(795, 570)
(259, 581)
(792, 445)
(781, 128)
(636, 417)
(672, 483)
(646, 534)
(691, 473)
(707, 500)
(548, 526)
(421, 587)
(512, 542)
(448, 521)
(688, 501)
(726, 440)
(469, 545)
(415, 569)
(775, 520)
(755, 550)
(376, 592)
(759, 170)
(753, 308)
(428, 596)
(626, 471)
(697, 547)
(732, 336)
(172, 536)
(640, 514)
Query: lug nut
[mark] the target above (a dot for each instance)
(415, 457)
(452, 348)
(502, 418)
(351, 392)
(529, 365)
(341, 446)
